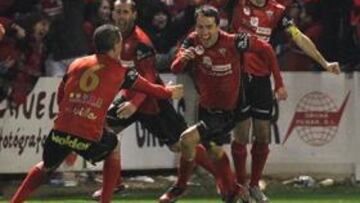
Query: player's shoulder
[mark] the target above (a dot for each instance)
(142, 37)
(83, 62)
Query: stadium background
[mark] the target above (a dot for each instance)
(314, 133)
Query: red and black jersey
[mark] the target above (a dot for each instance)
(216, 69)
(88, 89)
(260, 21)
(138, 52)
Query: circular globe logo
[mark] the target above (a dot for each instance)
(316, 118)
(318, 105)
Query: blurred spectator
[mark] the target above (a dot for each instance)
(5, 6)
(22, 59)
(2, 32)
(10, 55)
(67, 38)
(52, 7)
(97, 13)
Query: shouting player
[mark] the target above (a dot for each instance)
(213, 56)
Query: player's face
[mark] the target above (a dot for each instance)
(104, 10)
(258, 3)
(207, 29)
(124, 16)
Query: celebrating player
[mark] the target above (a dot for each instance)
(261, 17)
(84, 96)
(213, 56)
(157, 116)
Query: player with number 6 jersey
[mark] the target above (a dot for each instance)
(84, 97)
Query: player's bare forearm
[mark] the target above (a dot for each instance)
(310, 49)
(149, 88)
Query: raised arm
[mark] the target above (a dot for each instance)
(305, 44)
(185, 54)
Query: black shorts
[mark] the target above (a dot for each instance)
(215, 126)
(59, 144)
(167, 125)
(256, 98)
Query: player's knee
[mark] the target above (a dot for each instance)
(189, 138)
(262, 131)
(241, 131)
(216, 152)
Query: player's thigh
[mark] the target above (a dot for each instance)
(167, 125)
(98, 151)
(215, 127)
(242, 131)
(54, 153)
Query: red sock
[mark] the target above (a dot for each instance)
(32, 181)
(259, 153)
(184, 172)
(239, 154)
(202, 159)
(227, 177)
(110, 177)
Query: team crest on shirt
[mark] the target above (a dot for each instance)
(254, 21)
(199, 50)
(126, 46)
(246, 11)
(222, 51)
(269, 13)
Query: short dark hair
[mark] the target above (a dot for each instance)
(131, 2)
(208, 11)
(105, 37)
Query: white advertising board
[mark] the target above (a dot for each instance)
(316, 131)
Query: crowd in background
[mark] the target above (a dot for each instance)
(42, 37)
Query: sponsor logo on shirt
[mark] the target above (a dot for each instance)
(71, 142)
(84, 113)
(216, 70)
(127, 64)
(84, 98)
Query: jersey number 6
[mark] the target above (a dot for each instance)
(89, 80)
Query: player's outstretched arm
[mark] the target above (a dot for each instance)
(310, 49)
(135, 81)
